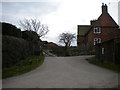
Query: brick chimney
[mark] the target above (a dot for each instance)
(92, 22)
(104, 8)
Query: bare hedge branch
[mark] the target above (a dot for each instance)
(34, 25)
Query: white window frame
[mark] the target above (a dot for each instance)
(97, 30)
(97, 40)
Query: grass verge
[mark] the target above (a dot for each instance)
(24, 66)
(106, 65)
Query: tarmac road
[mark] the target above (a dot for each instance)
(65, 72)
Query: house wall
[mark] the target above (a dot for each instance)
(103, 35)
(89, 40)
(81, 41)
(115, 34)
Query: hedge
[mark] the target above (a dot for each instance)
(10, 30)
(14, 50)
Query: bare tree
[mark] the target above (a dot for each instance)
(67, 38)
(34, 25)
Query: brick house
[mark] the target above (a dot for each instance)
(98, 32)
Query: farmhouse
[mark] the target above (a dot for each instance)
(97, 32)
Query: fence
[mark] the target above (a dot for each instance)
(109, 51)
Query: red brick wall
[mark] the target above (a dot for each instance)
(103, 35)
(89, 39)
(80, 41)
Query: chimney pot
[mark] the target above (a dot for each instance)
(104, 8)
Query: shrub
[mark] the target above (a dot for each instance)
(30, 36)
(33, 38)
(14, 50)
(10, 30)
(59, 51)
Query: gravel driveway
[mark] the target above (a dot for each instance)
(65, 72)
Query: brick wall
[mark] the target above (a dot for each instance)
(81, 41)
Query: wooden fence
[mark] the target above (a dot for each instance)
(108, 51)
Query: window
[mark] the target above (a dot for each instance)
(97, 30)
(97, 40)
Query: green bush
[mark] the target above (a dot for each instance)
(30, 36)
(62, 51)
(70, 51)
(59, 51)
(74, 51)
(14, 50)
(33, 38)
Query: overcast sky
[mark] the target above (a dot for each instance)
(59, 15)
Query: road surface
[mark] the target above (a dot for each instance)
(65, 72)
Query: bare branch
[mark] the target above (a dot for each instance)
(34, 25)
(43, 31)
(25, 24)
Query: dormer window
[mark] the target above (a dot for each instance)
(97, 40)
(97, 30)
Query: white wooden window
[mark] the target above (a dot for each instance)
(97, 30)
(97, 40)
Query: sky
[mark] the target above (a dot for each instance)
(59, 15)
(119, 13)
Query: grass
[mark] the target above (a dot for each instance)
(24, 66)
(106, 65)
